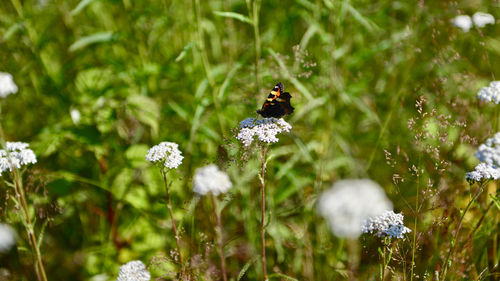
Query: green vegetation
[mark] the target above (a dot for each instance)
(385, 90)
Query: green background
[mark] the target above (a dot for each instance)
(142, 72)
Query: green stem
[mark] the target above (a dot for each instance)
(207, 67)
(263, 212)
(201, 43)
(384, 264)
(414, 242)
(174, 226)
(255, 10)
(382, 131)
(455, 237)
(220, 239)
(29, 226)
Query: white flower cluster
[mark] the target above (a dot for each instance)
(349, 203)
(489, 155)
(483, 171)
(489, 152)
(264, 129)
(479, 19)
(7, 237)
(482, 19)
(15, 155)
(166, 153)
(133, 271)
(464, 22)
(388, 224)
(7, 85)
(490, 93)
(211, 179)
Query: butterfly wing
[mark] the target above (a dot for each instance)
(277, 103)
(284, 103)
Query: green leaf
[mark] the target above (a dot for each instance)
(246, 267)
(137, 197)
(100, 37)
(496, 200)
(42, 233)
(80, 7)
(184, 51)
(227, 81)
(71, 177)
(146, 110)
(135, 155)
(493, 45)
(12, 30)
(121, 183)
(48, 141)
(233, 15)
(93, 79)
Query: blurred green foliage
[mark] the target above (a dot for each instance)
(142, 72)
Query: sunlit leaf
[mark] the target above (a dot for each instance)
(233, 15)
(101, 37)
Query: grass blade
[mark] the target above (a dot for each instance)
(100, 37)
(246, 267)
(233, 15)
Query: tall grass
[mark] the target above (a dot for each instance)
(140, 72)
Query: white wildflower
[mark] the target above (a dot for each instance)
(482, 19)
(211, 179)
(75, 116)
(133, 271)
(489, 152)
(15, 155)
(349, 203)
(264, 129)
(7, 237)
(166, 153)
(463, 22)
(7, 85)
(388, 224)
(490, 93)
(483, 171)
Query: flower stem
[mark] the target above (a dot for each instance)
(383, 266)
(220, 238)
(263, 212)
(174, 226)
(29, 226)
(201, 43)
(414, 242)
(455, 237)
(254, 10)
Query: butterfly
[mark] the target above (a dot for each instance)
(277, 103)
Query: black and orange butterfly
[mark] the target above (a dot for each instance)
(277, 103)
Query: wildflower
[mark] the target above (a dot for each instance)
(463, 22)
(211, 179)
(349, 203)
(264, 129)
(482, 19)
(7, 237)
(388, 224)
(483, 171)
(7, 85)
(15, 155)
(75, 116)
(133, 271)
(166, 153)
(490, 93)
(489, 152)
